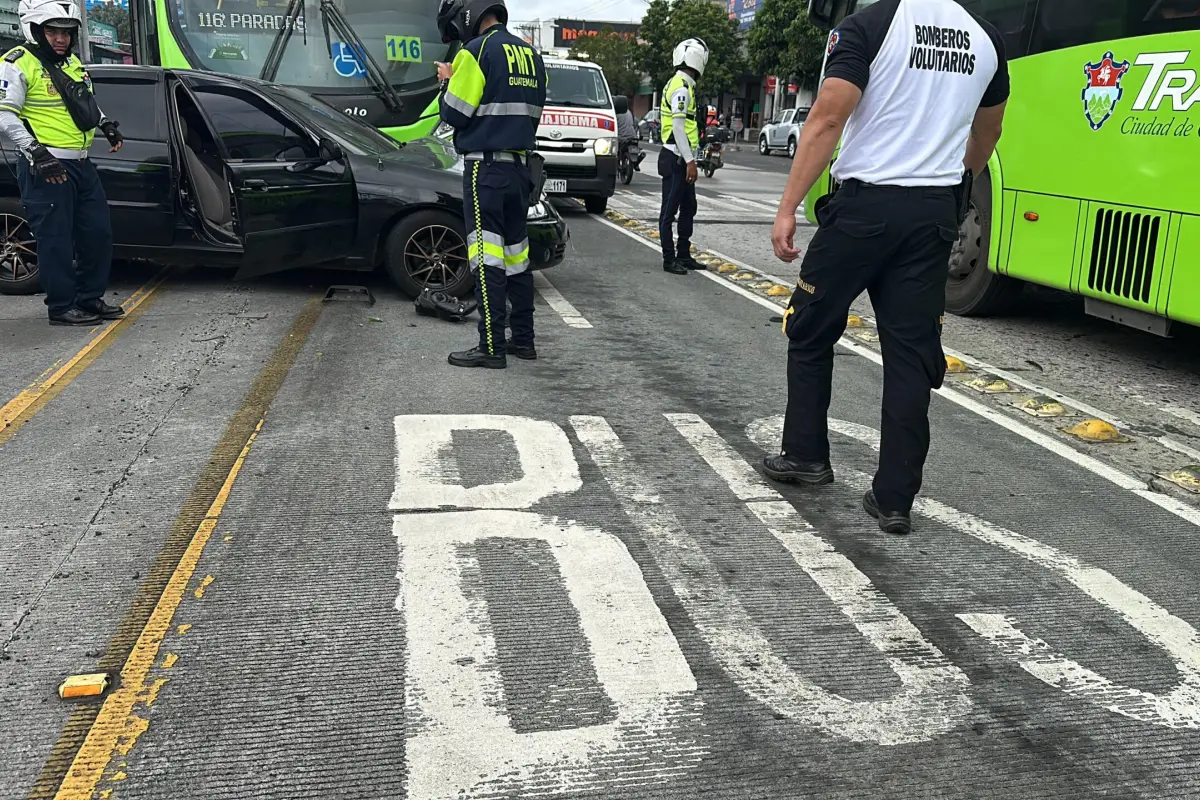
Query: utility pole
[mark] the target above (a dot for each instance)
(85, 50)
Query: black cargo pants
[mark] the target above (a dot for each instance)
(893, 242)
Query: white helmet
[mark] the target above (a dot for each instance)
(691, 53)
(58, 13)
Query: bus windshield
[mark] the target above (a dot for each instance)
(573, 86)
(234, 37)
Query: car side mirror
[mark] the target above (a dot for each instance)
(329, 150)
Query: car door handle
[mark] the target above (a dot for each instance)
(255, 184)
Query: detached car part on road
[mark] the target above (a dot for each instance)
(235, 172)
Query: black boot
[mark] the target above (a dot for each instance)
(477, 357)
(74, 316)
(674, 267)
(791, 470)
(101, 309)
(889, 521)
(525, 352)
(690, 262)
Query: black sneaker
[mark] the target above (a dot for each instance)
(790, 470)
(74, 316)
(889, 521)
(101, 309)
(690, 262)
(674, 267)
(525, 352)
(477, 357)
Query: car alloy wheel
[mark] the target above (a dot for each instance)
(763, 149)
(18, 256)
(435, 256)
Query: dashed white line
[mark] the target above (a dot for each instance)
(560, 304)
(1093, 465)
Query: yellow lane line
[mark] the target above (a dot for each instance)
(20, 409)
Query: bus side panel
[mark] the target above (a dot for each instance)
(1183, 298)
(1126, 255)
(170, 55)
(1042, 250)
(422, 127)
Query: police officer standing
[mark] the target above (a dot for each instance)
(677, 159)
(494, 99)
(919, 88)
(48, 111)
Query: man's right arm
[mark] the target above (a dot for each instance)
(12, 100)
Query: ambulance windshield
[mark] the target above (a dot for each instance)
(573, 86)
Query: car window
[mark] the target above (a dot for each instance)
(130, 102)
(251, 128)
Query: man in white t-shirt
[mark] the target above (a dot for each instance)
(915, 90)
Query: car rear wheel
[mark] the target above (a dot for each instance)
(763, 150)
(18, 251)
(973, 290)
(428, 250)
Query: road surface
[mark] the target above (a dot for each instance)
(317, 561)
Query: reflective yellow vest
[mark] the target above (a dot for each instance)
(44, 111)
(692, 128)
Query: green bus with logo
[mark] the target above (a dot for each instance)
(371, 59)
(1088, 190)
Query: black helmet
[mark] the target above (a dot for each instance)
(458, 20)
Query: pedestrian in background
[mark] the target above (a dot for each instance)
(493, 99)
(677, 159)
(47, 109)
(919, 88)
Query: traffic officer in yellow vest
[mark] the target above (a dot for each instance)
(493, 100)
(47, 109)
(677, 159)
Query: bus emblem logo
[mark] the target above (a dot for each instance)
(1103, 89)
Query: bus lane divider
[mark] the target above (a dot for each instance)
(1056, 422)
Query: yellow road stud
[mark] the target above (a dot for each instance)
(955, 365)
(83, 685)
(1043, 407)
(855, 321)
(727, 268)
(779, 291)
(1096, 430)
(1187, 478)
(744, 276)
(866, 336)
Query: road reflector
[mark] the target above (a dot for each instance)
(956, 365)
(991, 384)
(1186, 478)
(866, 336)
(779, 291)
(855, 321)
(744, 276)
(727, 268)
(1043, 407)
(83, 685)
(1096, 430)
(764, 285)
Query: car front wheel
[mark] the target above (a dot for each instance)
(428, 250)
(791, 148)
(18, 251)
(762, 146)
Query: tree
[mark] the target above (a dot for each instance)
(783, 42)
(112, 15)
(618, 56)
(665, 24)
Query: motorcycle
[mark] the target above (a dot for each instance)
(628, 161)
(709, 160)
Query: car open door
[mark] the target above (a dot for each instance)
(294, 193)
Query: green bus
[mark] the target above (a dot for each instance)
(371, 59)
(1088, 189)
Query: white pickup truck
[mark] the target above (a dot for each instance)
(783, 132)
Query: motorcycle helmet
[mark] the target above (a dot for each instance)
(458, 20)
(440, 304)
(36, 14)
(691, 53)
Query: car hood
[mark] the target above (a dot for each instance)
(421, 166)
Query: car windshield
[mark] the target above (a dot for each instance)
(353, 135)
(234, 36)
(574, 86)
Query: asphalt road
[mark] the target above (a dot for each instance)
(326, 564)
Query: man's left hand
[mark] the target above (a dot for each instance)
(115, 139)
(782, 237)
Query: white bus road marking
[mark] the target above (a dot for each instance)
(932, 698)
(1178, 709)
(556, 301)
(1059, 448)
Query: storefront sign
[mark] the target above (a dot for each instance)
(568, 31)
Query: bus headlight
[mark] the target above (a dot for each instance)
(605, 146)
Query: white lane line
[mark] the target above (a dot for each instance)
(1061, 449)
(555, 300)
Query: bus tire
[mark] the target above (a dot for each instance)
(428, 249)
(973, 290)
(18, 268)
(595, 205)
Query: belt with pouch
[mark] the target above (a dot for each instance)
(532, 159)
(70, 154)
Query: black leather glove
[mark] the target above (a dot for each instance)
(109, 129)
(48, 168)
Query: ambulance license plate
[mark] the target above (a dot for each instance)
(558, 186)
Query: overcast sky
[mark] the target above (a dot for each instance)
(608, 10)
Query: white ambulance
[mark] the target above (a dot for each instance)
(578, 133)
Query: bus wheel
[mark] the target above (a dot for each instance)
(18, 251)
(428, 250)
(972, 289)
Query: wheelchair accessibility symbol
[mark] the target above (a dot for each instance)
(347, 61)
